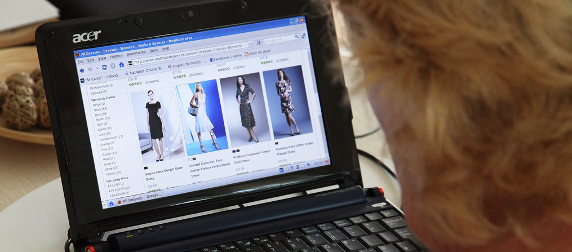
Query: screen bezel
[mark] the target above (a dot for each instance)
(71, 136)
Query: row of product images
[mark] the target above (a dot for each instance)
(188, 119)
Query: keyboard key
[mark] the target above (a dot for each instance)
(210, 249)
(371, 240)
(295, 244)
(367, 250)
(314, 249)
(277, 237)
(228, 247)
(395, 222)
(315, 239)
(331, 248)
(274, 247)
(358, 219)
(354, 231)
(326, 226)
(406, 246)
(246, 243)
(405, 234)
(389, 213)
(261, 240)
(294, 233)
(352, 245)
(373, 216)
(310, 230)
(335, 235)
(253, 249)
(373, 227)
(342, 223)
(387, 248)
(388, 237)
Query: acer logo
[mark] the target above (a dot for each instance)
(84, 37)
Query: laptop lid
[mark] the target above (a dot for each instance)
(271, 115)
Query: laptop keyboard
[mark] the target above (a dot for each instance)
(383, 231)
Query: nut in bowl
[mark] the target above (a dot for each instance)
(20, 107)
(23, 106)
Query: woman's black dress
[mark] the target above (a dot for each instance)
(246, 116)
(155, 125)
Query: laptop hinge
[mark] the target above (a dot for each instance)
(91, 233)
(351, 179)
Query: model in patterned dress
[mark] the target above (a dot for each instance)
(243, 91)
(283, 88)
(202, 121)
(155, 124)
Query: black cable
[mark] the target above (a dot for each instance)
(368, 133)
(374, 159)
(380, 163)
(377, 161)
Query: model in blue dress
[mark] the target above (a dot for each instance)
(202, 121)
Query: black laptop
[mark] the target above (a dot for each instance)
(218, 127)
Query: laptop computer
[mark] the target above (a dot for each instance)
(172, 126)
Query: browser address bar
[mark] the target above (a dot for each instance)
(198, 52)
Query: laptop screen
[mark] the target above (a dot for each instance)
(186, 112)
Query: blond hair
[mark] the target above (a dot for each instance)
(485, 92)
(197, 85)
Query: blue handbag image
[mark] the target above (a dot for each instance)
(193, 110)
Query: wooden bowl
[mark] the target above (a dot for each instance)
(21, 59)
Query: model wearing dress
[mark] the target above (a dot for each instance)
(243, 91)
(283, 89)
(202, 121)
(155, 124)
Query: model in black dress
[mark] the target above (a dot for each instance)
(155, 124)
(243, 91)
(283, 89)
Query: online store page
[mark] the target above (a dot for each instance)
(177, 114)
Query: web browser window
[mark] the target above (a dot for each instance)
(187, 112)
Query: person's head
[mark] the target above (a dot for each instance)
(240, 81)
(199, 88)
(475, 98)
(282, 75)
(151, 95)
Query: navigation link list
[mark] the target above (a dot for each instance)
(108, 139)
